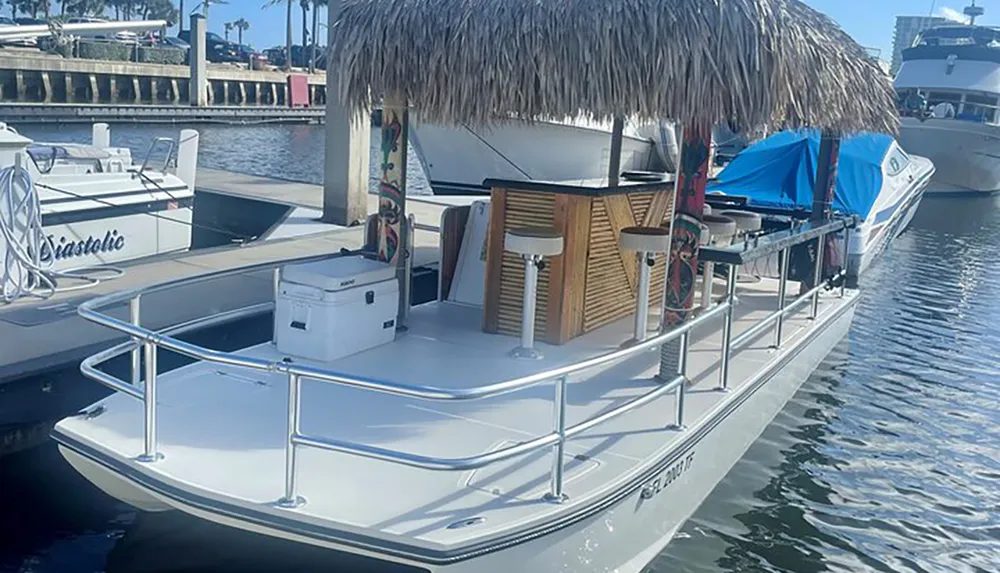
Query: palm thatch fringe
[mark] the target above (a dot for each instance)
(751, 63)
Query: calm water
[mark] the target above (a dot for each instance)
(888, 459)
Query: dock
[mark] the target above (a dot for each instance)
(43, 335)
(35, 86)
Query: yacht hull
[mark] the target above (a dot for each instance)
(622, 533)
(966, 155)
(458, 159)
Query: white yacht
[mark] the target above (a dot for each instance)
(456, 160)
(66, 207)
(949, 88)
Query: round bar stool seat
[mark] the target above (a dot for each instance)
(533, 241)
(532, 244)
(721, 230)
(645, 239)
(646, 242)
(746, 221)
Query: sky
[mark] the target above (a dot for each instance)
(870, 22)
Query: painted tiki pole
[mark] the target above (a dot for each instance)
(392, 185)
(689, 203)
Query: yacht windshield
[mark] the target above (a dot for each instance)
(959, 36)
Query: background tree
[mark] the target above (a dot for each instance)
(304, 5)
(30, 7)
(241, 26)
(161, 10)
(288, 29)
(315, 30)
(227, 28)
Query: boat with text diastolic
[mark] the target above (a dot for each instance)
(70, 206)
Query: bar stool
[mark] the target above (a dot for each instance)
(747, 222)
(532, 244)
(646, 242)
(718, 232)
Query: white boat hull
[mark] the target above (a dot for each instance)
(462, 158)
(966, 155)
(622, 533)
(891, 214)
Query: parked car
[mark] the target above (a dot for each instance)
(6, 22)
(218, 49)
(300, 56)
(123, 36)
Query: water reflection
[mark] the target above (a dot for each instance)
(887, 458)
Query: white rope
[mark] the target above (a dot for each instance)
(27, 272)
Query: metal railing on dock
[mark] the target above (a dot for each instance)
(149, 341)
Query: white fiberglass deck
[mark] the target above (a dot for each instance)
(222, 430)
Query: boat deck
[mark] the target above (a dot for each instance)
(222, 429)
(39, 335)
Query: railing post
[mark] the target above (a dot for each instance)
(405, 294)
(556, 494)
(685, 341)
(134, 311)
(727, 328)
(290, 500)
(276, 287)
(782, 288)
(149, 401)
(817, 276)
(847, 260)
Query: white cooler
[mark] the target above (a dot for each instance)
(332, 308)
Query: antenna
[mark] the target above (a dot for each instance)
(973, 12)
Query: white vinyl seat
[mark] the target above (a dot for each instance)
(746, 221)
(720, 230)
(532, 244)
(647, 242)
(533, 241)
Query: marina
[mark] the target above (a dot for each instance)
(747, 337)
(345, 334)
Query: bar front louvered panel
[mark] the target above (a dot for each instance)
(594, 281)
(524, 210)
(609, 295)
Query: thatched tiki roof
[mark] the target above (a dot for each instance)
(748, 62)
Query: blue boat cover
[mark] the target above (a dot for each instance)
(779, 171)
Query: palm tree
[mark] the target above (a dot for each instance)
(241, 26)
(228, 27)
(288, 30)
(304, 4)
(181, 18)
(315, 26)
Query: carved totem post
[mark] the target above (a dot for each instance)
(689, 203)
(392, 185)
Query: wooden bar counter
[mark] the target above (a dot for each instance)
(594, 281)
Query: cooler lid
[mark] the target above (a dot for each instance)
(338, 273)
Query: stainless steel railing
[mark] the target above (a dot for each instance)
(148, 342)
